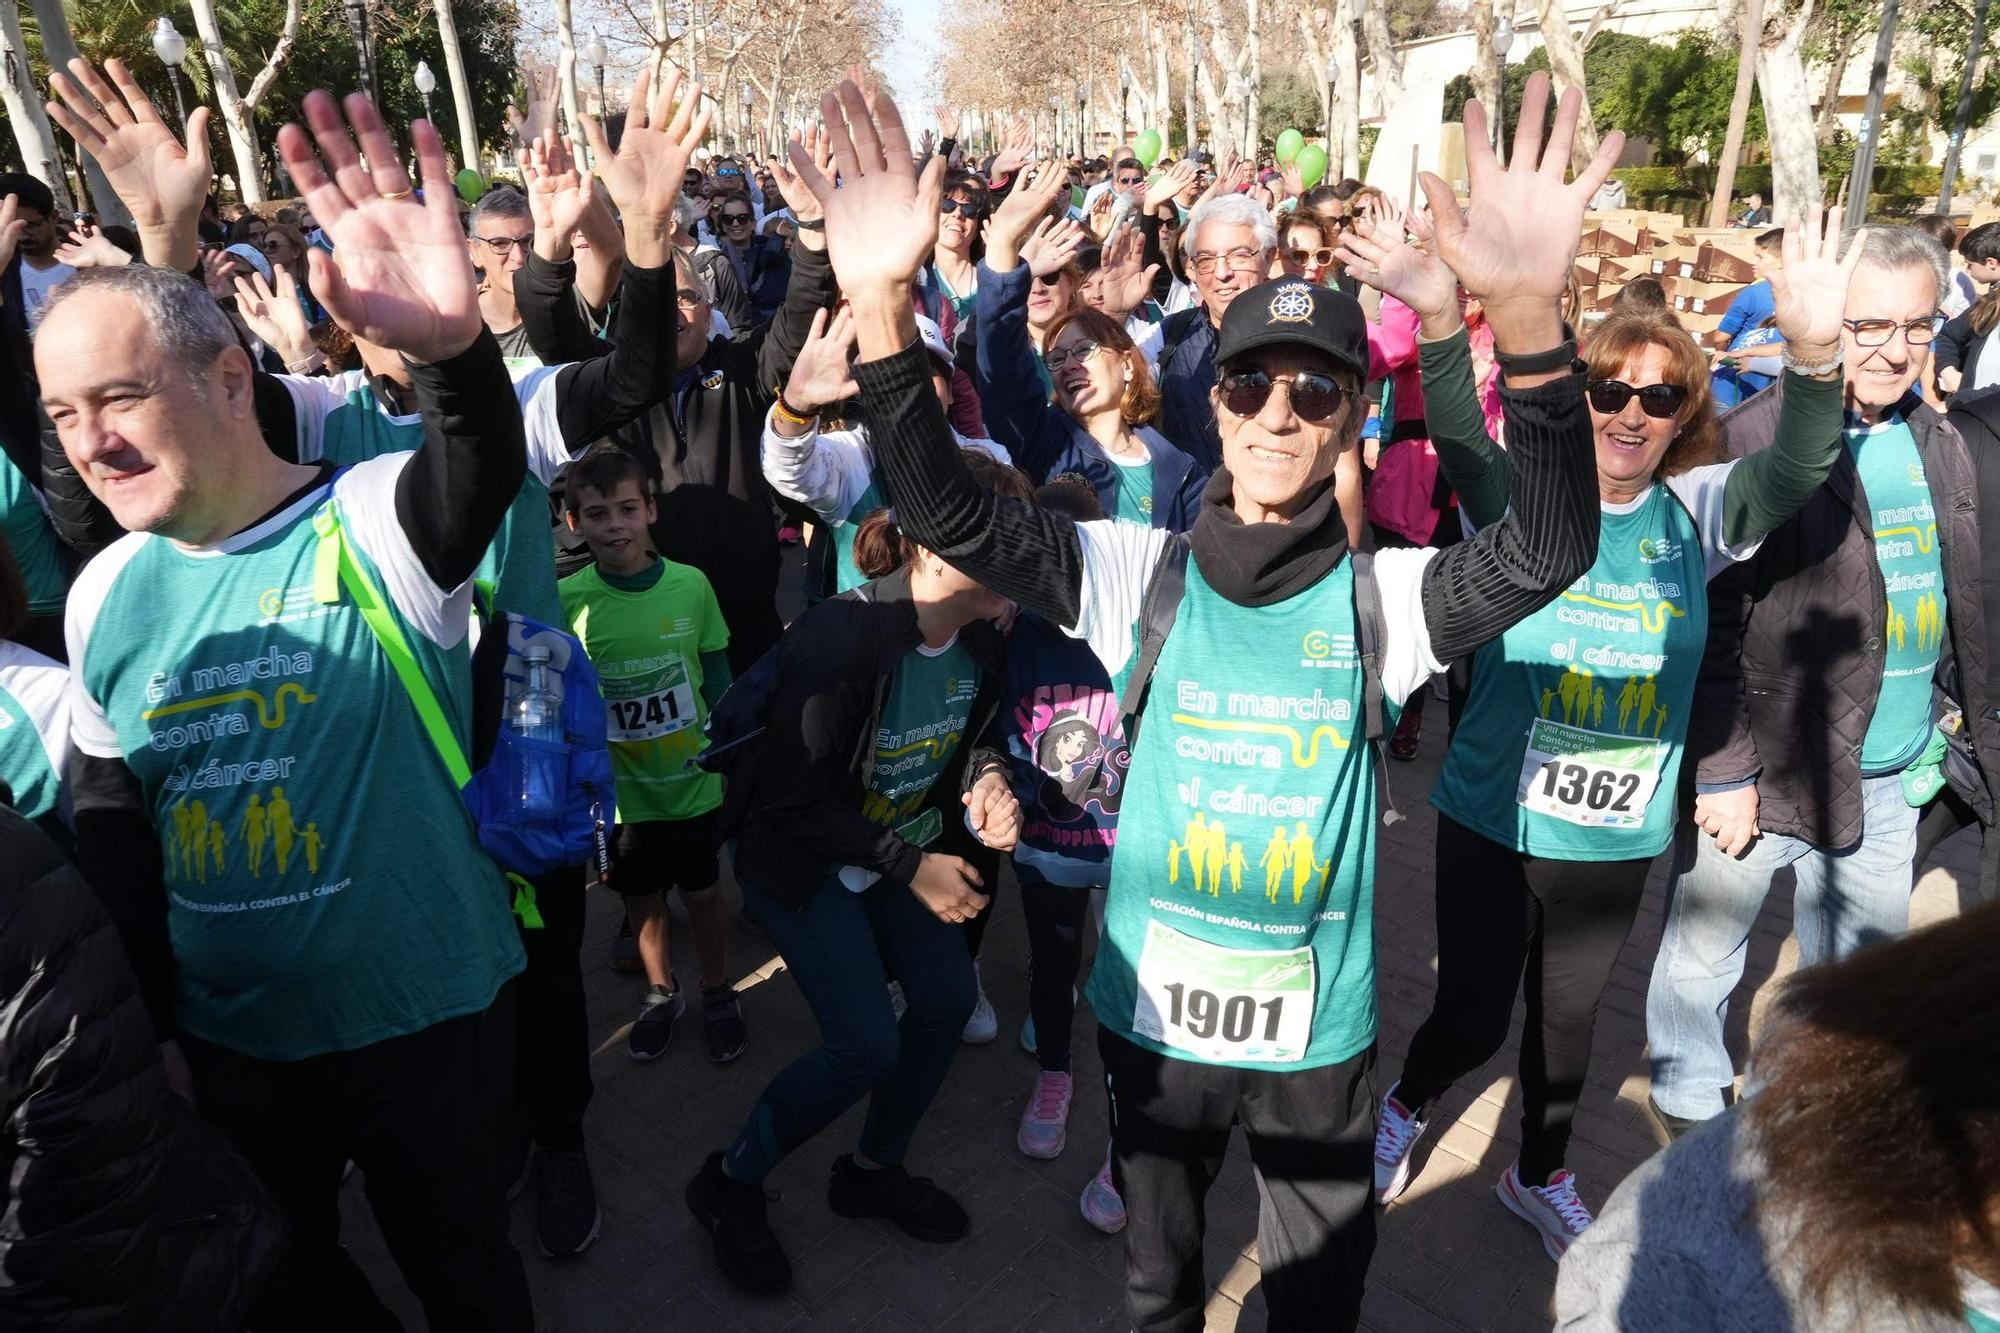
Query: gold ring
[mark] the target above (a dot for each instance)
(399, 194)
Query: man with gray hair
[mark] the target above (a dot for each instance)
(1817, 732)
(501, 234)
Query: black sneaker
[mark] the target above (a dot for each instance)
(653, 1029)
(517, 1160)
(1673, 1124)
(567, 1218)
(732, 1213)
(722, 1024)
(913, 1203)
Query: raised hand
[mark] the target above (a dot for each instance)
(1294, 183)
(1515, 247)
(1100, 214)
(275, 315)
(1016, 147)
(1811, 289)
(801, 200)
(1377, 250)
(11, 227)
(927, 144)
(219, 272)
(1027, 204)
(403, 280)
(87, 247)
(558, 194)
(163, 183)
(1169, 184)
(1056, 242)
(947, 121)
(1124, 278)
(644, 176)
(823, 374)
(882, 223)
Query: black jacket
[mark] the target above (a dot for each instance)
(1959, 348)
(124, 1210)
(801, 795)
(1796, 648)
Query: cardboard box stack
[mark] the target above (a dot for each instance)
(1701, 269)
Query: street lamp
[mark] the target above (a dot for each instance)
(357, 28)
(1055, 120)
(749, 97)
(597, 54)
(426, 82)
(1332, 82)
(1503, 42)
(1082, 96)
(172, 48)
(1124, 99)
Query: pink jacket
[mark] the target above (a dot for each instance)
(1399, 497)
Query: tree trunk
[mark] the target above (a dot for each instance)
(37, 139)
(1160, 114)
(236, 118)
(1836, 74)
(566, 79)
(461, 90)
(1485, 65)
(659, 55)
(1566, 71)
(1347, 54)
(1253, 80)
(1187, 92)
(1750, 24)
(1788, 117)
(1382, 54)
(59, 48)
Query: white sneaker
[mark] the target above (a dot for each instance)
(1552, 1209)
(1396, 1132)
(984, 1025)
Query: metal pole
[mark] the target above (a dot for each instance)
(1500, 117)
(427, 107)
(1871, 120)
(180, 107)
(357, 27)
(1964, 113)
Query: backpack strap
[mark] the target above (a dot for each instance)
(1157, 610)
(1368, 620)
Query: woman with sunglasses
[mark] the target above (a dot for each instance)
(1099, 426)
(954, 269)
(1558, 789)
(1304, 249)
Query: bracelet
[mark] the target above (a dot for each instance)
(308, 364)
(1560, 357)
(816, 224)
(789, 413)
(1812, 369)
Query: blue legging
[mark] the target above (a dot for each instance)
(838, 948)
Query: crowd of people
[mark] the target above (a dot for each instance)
(334, 676)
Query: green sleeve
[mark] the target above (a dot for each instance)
(714, 678)
(1770, 485)
(1474, 466)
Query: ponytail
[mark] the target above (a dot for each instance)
(1985, 312)
(880, 547)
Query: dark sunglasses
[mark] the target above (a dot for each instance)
(731, 219)
(965, 206)
(1131, 180)
(1050, 279)
(1315, 397)
(1655, 400)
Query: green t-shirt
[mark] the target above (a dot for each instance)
(1135, 488)
(923, 724)
(1906, 548)
(1239, 924)
(646, 644)
(1571, 738)
(847, 574)
(325, 885)
(34, 729)
(33, 541)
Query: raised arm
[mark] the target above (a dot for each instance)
(826, 472)
(161, 183)
(544, 287)
(1017, 410)
(810, 288)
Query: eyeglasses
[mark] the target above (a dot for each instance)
(1076, 353)
(506, 244)
(1315, 396)
(1050, 279)
(1131, 180)
(689, 300)
(1658, 401)
(963, 206)
(1876, 332)
(1239, 259)
(1322, 256)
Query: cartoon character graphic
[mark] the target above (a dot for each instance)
(1072, 753)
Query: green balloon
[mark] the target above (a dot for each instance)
(1311, 162)
(470, 185)
(1076, 196)
(1288, 146)
(1147, 146)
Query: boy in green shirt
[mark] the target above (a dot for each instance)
(657, 638)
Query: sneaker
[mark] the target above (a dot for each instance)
(653, 1029)
(1102, 1207)
(722, 1024)
(984, 1025)
(567, 1218)
(913, 1203)
(1044, 1120)
(1409, 732)
(1673, 1124)
(788, 535)
(1396, 1132)
(746, 1249)
(625, 952)
(517, 1162)
(1552, 1209)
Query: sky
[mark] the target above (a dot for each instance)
(911, 57)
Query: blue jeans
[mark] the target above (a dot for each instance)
(1844, 900)
(840, 947)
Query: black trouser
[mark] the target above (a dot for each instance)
(1054, 915)
(1506, 920)
(552, 1046)
(415, 1114)
(1312, 1144)
(1947, 815)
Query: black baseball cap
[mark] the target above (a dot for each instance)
(1291, 312)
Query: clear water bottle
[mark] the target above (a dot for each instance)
(538, 712)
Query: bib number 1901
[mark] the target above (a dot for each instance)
(1205, 1014)
(1223, 1005)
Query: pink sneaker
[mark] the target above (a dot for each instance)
(1552, 1209)
(1044, 1122)
(1102, 1207)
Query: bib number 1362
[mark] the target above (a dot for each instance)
(1594, 778)
(1227, 1006)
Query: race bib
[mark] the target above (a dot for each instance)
(661, 711)
(923, 829)
(1589, 777)
(1226, 1006)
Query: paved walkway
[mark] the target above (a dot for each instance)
(1450, 1258)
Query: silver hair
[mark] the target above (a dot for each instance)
(1232, 210)
(684, 214)
(500, 202)
(188, 328)
(1901, 247)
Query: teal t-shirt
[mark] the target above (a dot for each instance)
(923, 724)
(1906, 548)
(1571, 739)
(1239, 922)
(32, 540)
(325, 886)
(34, 729)
(1135, 488)
(846, 574)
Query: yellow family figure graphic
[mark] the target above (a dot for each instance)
(1659, 721)
(1173, 862)
(1218, 853)
(1236, 867)
(1575, 691)
(1628, 699)
(312, 843)
(1597, 708)
(1648, 694)
(256, 828)
(1303, 865)
(216, 840)
(1548, 697)
(1895, 629)
(283, 830)
(1273, 861)
(1195, 842)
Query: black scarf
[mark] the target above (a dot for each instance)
(1261, 564)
